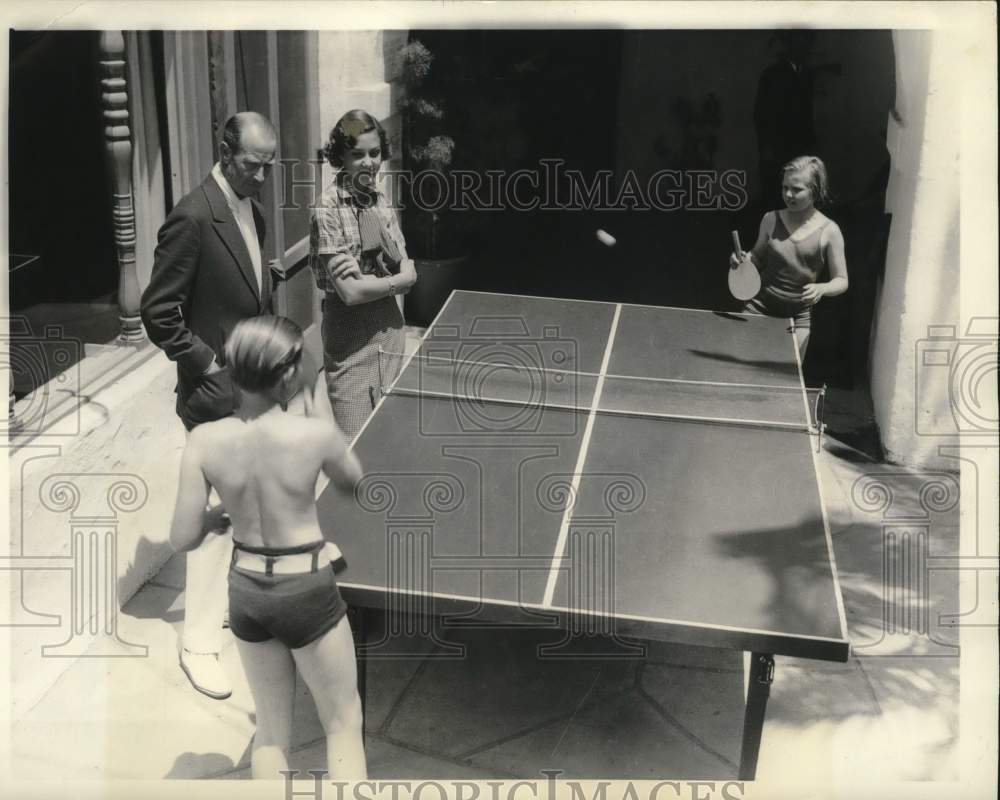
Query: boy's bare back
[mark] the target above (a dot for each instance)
(265, 471)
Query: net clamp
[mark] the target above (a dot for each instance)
(766, 664)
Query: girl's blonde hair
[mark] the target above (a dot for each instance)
(816, 170)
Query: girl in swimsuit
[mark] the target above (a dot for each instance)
(795, 245)
(284, 606)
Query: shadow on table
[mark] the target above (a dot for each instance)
(780, 367)
(801, 595)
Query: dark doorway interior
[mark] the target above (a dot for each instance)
(59, 198)
(511, 100)
(685, 100)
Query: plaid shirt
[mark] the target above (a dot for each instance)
(334, 229)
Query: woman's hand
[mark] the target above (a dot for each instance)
(407, 273)
(812, 293)
(317, 399)
(342, 265)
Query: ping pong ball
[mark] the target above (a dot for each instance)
(606, 238)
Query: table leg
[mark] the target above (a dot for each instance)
(758, 690)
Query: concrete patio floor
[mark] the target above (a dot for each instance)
(502, 712)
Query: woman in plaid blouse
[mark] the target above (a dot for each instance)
(358, 257)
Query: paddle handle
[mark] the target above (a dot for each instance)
(736, 244)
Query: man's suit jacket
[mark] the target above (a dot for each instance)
(202, 285)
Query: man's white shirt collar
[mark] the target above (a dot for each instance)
(231, 198)
(243, 212)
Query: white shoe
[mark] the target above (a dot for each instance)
(206, 674)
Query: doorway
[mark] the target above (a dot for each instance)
(64, 274)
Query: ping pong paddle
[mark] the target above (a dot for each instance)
(744, 279)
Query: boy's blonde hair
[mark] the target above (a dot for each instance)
(260, 350)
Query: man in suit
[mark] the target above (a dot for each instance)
(208, 274)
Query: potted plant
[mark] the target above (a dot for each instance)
(433, 231)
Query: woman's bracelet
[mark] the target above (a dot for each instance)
(392, 286)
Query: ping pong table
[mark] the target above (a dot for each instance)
(639, 472)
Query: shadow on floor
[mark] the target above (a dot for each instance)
(49, 338)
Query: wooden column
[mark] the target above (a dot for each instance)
(117, 136)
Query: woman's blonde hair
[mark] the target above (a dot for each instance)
(260, 350)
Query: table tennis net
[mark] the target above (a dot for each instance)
(528, 385)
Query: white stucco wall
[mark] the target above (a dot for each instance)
(354, 73)
(921, 319)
